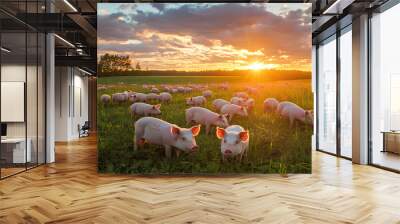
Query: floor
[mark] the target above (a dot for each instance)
(71, 191)
(387, 159)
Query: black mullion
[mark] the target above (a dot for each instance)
(338, 80)
(45, 89)
(37, 90)
(317, 96)
(369, 89)
(26, 87)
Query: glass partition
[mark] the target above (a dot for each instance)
(385, 89)
(13, 94)
(327, 95)
(22, 88)
(346, 93)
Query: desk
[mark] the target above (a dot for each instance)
(16, 147)
(391, 141)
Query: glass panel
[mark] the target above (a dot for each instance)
(41, 99)
(31, 98)
(327, 96)
(385, 114)
(13, 80)
(346, 94)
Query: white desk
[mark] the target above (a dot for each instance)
(18, 145)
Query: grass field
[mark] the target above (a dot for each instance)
(274, 146)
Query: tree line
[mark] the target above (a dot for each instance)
(116, 63)
(120, 65)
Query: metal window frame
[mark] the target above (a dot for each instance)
(339, 32)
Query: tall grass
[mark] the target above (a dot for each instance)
(274, 146)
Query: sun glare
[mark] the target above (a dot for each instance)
(259, 66)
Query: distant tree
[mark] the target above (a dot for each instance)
(114, 63)
(138, 66)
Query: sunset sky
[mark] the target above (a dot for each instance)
(208, 36)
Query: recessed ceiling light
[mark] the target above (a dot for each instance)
(5, 50)
(64, 40)
(86, 72)
(70, 5)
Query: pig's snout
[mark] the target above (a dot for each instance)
(228, 152)
(195, 148)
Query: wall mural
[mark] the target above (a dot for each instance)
(204, 88)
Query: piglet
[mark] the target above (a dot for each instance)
(159, 132)
(138, 97)
(181, 89)
(196, 101)
(218, 103)
(200, 115)
(238, 101)
(155, 90)
(119, 97)
(270, 105)
(165, 97)
(249, 104)
(232, 109)
(293, 112)
(234, 141)
(144, 109)
(243, 95)
(105, 99)
(152, 97)
(207, 93)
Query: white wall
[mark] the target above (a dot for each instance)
(70, 83)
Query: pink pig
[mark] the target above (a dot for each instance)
(196, 101)
(238, 101)
(207, 93)
(294, 112)
(232, 109)
(200, 115)
(119, 97)
(234, 141)
(105, 99)
(159, 132)
(249, 103)
(218, 103)
(138, 97)
(270, 105)
(144, 109)
(243, 95)
(165, 97)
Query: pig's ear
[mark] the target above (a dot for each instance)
(244, 136)
(220, 133)
(195, 130)
(157, 106)
(175, 130)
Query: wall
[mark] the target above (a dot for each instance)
(71, 102)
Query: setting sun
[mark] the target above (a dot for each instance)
(260, 66)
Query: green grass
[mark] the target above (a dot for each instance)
(274, 146)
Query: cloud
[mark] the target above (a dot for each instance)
(114, 27)
(209, 33)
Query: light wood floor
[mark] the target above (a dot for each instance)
(71, 191)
